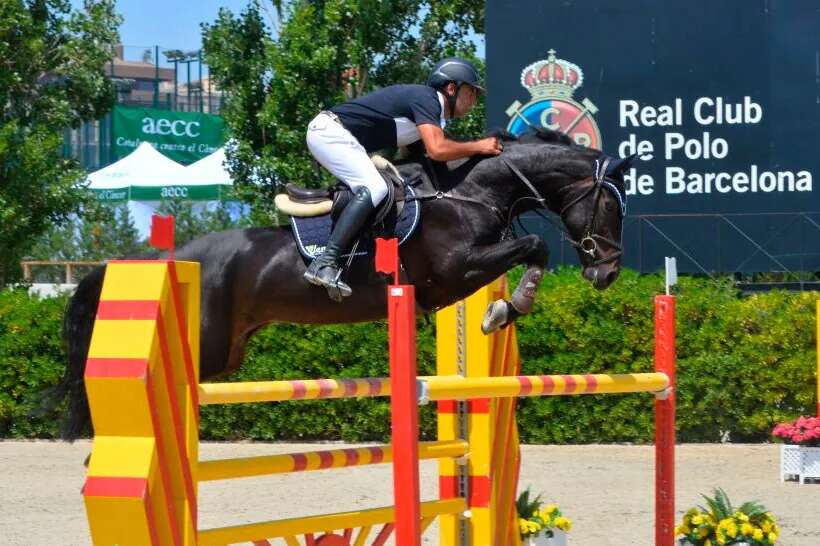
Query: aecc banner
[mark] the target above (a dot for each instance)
(183, 136)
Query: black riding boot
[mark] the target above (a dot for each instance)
(325, 269)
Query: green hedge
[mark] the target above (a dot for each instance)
(743, 364)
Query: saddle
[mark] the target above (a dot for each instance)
(308, 202)
(314, 211)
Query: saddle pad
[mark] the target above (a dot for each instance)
(312, 233)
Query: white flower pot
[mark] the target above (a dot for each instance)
(809, 463)
(789, 462)
(799, 462)
(559, 538)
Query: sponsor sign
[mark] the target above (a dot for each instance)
(721, 105)
(183, 136)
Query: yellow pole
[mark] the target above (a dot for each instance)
(314, 524)
(465, 388)
(278, 391)
(224, 469)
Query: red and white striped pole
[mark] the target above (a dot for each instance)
(401, 318)
(665, 422)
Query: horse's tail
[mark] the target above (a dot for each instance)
(78, 322)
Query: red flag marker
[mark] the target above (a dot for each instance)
(162, 233)
(387, 257)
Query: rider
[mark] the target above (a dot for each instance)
(398, 115)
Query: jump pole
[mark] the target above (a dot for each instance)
(401, 320)
(665, 362)
(665, 422)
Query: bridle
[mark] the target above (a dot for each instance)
(589, 242)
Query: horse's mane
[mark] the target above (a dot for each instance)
(535, 135)
(538, 135)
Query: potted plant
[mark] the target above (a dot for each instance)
(719, 524)
(800, 451)
(539, 524)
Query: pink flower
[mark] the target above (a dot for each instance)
(804, 430)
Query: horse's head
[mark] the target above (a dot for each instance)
(586, 189)
(593, 210)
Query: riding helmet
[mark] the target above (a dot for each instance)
(454, 69)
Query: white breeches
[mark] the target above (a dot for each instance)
(338, 151)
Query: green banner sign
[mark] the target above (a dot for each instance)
(205, 192)
(183, 136)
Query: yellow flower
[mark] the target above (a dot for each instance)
(697, 520)
(747, 529)
(758, 534)
(544, 515)
(550, 508)
(772, 537)
(766, 526)
(682, 529)
(707, 543)
(741, 516)
(565, 524)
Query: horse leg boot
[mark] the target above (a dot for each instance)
(325, 270)
(500, 313)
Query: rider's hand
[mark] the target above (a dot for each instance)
(489, 146)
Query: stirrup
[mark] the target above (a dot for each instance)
(336, 288)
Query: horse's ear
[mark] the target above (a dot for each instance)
(619, 166)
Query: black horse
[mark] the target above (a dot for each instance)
(253, 277)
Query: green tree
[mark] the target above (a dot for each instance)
(192, 221)
(52, 77)
(101, 233)
(324, 51)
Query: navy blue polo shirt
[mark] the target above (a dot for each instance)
(388, 117)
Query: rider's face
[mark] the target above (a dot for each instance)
(467, 98)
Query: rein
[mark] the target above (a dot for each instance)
(589, 242)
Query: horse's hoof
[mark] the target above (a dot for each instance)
(496, 317)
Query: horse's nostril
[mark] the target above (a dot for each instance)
(611, 276)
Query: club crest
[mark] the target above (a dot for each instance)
(551, 84)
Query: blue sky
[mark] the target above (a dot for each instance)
(171, 24)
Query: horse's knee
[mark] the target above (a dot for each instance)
(538, 250)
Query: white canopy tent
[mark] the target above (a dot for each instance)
(145, 178)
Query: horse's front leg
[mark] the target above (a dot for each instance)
(489, 262)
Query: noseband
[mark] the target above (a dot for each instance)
(589, 242)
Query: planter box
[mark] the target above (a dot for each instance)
(799, 462)
(809, 463)
(559, 538)
(789, 462)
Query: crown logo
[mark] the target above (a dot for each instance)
(552, 77)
